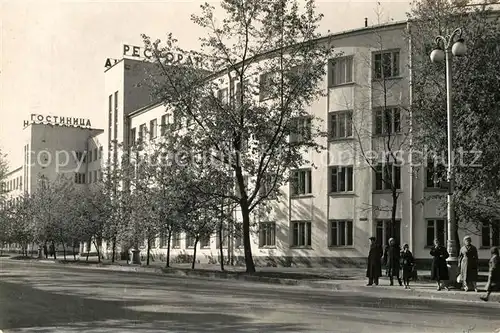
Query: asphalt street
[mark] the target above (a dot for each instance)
(36, 297)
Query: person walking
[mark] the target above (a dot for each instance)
(468, 264)
(493, 274)
(374, 269)
(391, 260)
(407, 265)
(45, 251)
(439, 269)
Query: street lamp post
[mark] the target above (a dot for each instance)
(446, 46)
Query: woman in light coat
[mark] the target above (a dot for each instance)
(468, 264)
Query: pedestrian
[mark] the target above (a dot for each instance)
(52, 250)
(374, 269)
(392, 261)
(407, 265)
(493, 274)
(468, 264)
(439, 269)
(45, 251)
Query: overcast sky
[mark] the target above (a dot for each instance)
(52, 53)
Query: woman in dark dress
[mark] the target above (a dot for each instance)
(407, 264)
(374, 269)
(439, 269)
(468, 264)
(391, 261)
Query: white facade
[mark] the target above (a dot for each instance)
(331, 221)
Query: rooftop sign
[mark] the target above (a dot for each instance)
(58, 120)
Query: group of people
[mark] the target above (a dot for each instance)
(396, 260)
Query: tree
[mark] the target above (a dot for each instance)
(3, 175)
(269, 46)
(475, 98)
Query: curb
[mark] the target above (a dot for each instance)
(313, 284)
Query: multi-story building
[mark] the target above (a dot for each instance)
(328, 216)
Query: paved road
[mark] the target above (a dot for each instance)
(37, 297)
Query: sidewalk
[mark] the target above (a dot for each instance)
(338, 279)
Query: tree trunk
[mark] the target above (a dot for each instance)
(88, 249)
(245, 214)
(55, 250)
(169, 237)
(147, 251)
(221, 238)
(113, 250)
(64, 250)
(98, 252)
(74, 251)
(194, 251)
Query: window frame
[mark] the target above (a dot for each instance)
(347, 224)
(435, 223)
(334, 117)
(301, 129)
(339, 170)
(384, 237)
(294, 189)
(153, 129)
(491, 231)
(307, 230)
(378, 73)
(267, 232)
(332, 70)
(380, 112)
(436, 169)
(382, 172)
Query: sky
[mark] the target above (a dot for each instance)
(52, 53)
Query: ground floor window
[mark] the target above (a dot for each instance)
(341, 233)
(301, 233)
(490, 234)
(267, 234)
(435, 230)
(385, 230)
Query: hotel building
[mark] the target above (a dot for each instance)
(340, 202)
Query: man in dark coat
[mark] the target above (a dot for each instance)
(374, 270)
(493, 274)
(392, 256)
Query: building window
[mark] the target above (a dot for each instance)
(267, 234)
(152, 243)
(341, 179)
(90, 156)
(434, 172)
(100, 152)
(386, 64)
(222, 233)
(301, 182)
(387, 121)
(142, 132)
(341, 233)
(223, 96)
(153, 125)
(164, 124)
(205, 241)
(266, 186)
(90, 177)
(387, 176)
(435, 230)
(490, 234)
(301, 233)
(238, 235)
(266, 84)
(176, 240)
(385, 230)
(79, 178)
(95, 176)
(300, 129)
(340, 124)
(132, 136)
(340, 71)
(189, 241)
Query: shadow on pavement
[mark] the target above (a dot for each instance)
(23, 307)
